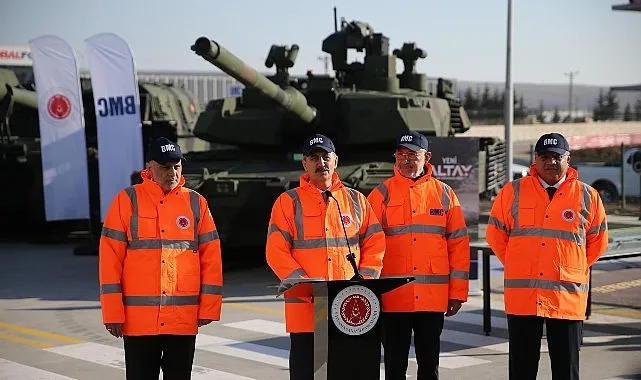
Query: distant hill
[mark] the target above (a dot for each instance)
(554, 95)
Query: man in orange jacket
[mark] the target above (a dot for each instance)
(426, 237)
(306, 239)
(547, 229)
(160, 268)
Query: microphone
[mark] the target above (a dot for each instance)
(350, 257)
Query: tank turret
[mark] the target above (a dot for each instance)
(366, 104)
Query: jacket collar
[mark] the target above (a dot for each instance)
(153, 188)
(408, 181)
(571, 175)
(306, 185)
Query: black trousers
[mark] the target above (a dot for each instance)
(146, 355)
(397, 336)
(301, 356)
(563, 338)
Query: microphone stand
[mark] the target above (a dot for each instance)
(351, 257)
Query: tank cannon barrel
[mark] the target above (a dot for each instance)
(290, 98)
(24, 97)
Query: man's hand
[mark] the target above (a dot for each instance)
(453, 307)
(114, 329)
(203, 322)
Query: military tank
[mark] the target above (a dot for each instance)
(18, 107)
(363, 108)
(166, 110)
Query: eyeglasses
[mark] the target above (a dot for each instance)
(549, 156)
(408, 155)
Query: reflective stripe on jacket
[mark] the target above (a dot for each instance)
(425, 237)
(547, 247)
(160, 261)
(306, 239)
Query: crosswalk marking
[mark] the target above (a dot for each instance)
(451, 336)
(250, 351)
(244, 350)
(254, 325)
(448, 360)
(453, 361)
(477, 319)
(600, 339)
(260, 325)
(457, 356)
(114, 357)
(15, 371)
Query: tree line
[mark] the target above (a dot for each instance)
(487, 107)
(607, 108)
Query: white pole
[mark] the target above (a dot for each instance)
(509, 96)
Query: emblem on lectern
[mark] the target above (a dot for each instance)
(355, 310)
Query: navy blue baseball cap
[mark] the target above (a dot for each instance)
(552, 142)
(318, 141)
(412, 140)
(162, 150)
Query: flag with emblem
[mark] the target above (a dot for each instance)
(62, 130)
(118, 123)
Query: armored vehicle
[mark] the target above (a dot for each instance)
(18, 107)
(363, 108)
(165, 111)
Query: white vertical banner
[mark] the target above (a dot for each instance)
(118, 123)
(62, 129)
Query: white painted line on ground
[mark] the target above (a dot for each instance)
(243, 350)
(261, 326)
(114, 357)
(451, 360)
(607, 339)
(451, 336)
(477, 319)
(15, 371)
(448, 360)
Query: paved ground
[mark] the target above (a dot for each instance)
(50, 325)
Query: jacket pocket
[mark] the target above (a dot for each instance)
(147, 224)
(527, 216)
(313, 222)
(440, 264)
(394, 214)
(188, 272)
(572, 274)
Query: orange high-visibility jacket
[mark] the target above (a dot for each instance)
(306, 239)
(547, 247)
(160, 261)
(425, 237)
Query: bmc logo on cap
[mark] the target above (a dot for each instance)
(168, 148)
(550, 142)
(316, 140)
(406, 138)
